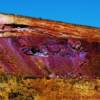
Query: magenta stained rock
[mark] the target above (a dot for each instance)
(48, 56)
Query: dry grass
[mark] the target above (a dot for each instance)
(22, 88)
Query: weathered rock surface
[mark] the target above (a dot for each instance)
(43, 48)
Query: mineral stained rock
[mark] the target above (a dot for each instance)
(43, 48)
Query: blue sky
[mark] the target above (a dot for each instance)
(85, 12)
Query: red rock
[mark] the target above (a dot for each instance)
(44, 48)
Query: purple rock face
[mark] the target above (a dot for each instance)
(45, 56)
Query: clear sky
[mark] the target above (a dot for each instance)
(86, 12)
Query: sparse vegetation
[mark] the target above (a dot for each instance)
(22, 88)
